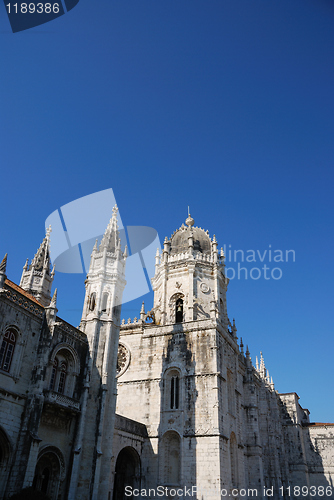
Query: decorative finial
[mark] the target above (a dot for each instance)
(3, 265)
(272, 384)
(234, 329)
(48, 231)
(142, 312)
(54, 299)
(190, 221)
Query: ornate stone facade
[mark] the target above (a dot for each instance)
(214, 421)
(194, 415)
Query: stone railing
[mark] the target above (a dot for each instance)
(128, 322)
(62, 400)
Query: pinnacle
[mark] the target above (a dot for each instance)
(54, 299)
(3, 265)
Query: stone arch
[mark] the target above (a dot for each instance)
(16, 357)
(5, 455)
(49, 471)
(177, 300)
(234, 460)
(64, 367)
(170, 458)
(127, 472)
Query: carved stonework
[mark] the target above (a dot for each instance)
(24, 302)
(56, 420)
(204, 287)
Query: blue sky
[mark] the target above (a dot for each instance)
(226, 106)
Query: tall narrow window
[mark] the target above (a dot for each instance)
(62, 377)
(7, 350)
(174, 392)
(179, 311)
(233, 460)
(45, 480)
(104, 302)
(53, 375)
(92, 300)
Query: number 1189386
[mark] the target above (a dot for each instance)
(31, 8)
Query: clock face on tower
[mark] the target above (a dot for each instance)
(123, 359)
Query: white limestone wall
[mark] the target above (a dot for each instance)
(319, 445)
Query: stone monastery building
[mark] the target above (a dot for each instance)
(193, 416)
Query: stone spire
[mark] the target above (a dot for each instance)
(248, 358)
(111, 240)
(53, 302)
(37, 277)
(101, 322)
(142, 312)
(51, 310)
(3, 266)
(234, 330)
(263, 371)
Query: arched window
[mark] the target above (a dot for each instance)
(53, 375)
(7, 350)
(104, 302)
(92, 301)
(179, 311)
(63, 373)
(172, 389)
(62, 377)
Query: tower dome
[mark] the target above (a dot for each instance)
(179, 241)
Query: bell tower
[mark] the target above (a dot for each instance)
(100, 322)
(189, 281)
(183, 378)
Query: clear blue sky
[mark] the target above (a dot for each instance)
(223, 105)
